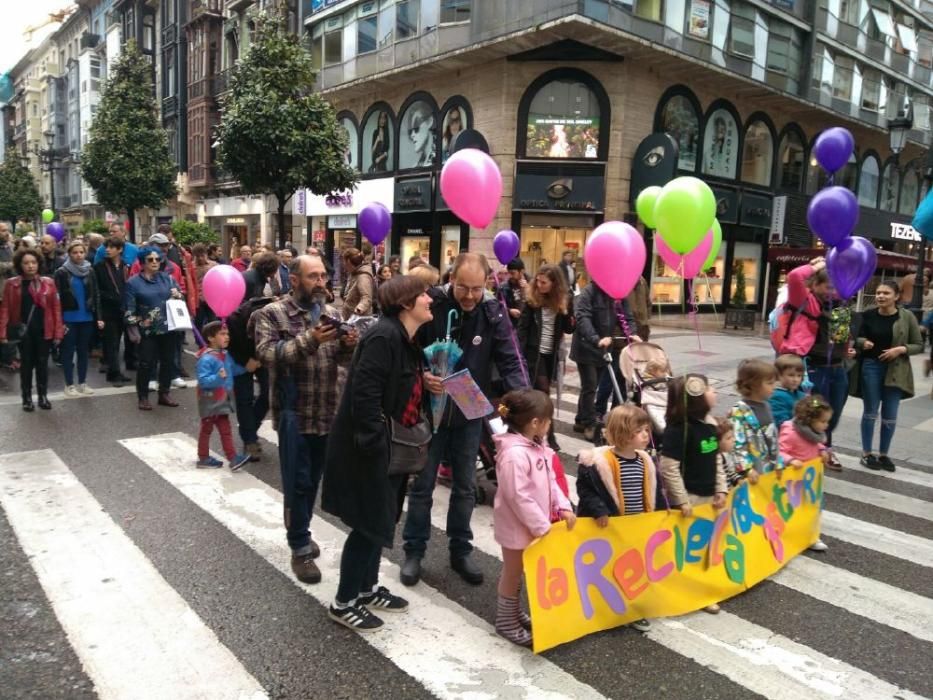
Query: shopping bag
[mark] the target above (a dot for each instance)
(177, 317)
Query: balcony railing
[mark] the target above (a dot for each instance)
(206, 7)
(197, 88)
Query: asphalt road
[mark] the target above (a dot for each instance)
(128, 573)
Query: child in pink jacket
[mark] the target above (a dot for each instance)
(804, 438)
(527, 500)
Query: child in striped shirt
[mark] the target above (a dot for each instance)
(619, 478)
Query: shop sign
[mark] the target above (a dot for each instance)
(727, 205)
(559, 193)
(301, 202)
(109, 217)
(904, 232)
(756, 211)
(778, 214)
(654, 164)
(235, 220)
(339, 199)
(343, 221)
(413, 195)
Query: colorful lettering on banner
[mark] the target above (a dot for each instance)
(662, 564)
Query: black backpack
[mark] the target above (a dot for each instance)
(242, 345)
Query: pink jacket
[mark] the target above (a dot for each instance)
(528, 492)
(803, 331)
(794, 446)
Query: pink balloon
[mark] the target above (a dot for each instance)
(224, 288)
(472, 186)
(690, 265)
(615, 258)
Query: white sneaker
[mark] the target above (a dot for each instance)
(71, 392)
(179, 383)
(85, 389)
(153, 386)
(818, 546)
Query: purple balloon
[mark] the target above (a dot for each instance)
(506, 246)
(832, 214)
(56, 231)
(375, 222)
(833, 148)
(850, 265)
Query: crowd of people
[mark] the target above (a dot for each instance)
(349, 388)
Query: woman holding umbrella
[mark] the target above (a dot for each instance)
(384, 384)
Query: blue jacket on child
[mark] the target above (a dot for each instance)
(782, 404)
(215, 393)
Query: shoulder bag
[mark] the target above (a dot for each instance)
(408, 446)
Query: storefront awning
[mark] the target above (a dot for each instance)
(887, 261)
(884, 22)
(907, 37)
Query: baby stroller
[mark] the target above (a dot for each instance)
(647, 370)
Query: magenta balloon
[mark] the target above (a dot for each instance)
(850, 265)
(833, 148)
(687, 266)
(615, 258)
(472, 186)
(56, 230)
(223, 287)
(832, 214)
(506, 246)
(375, 222)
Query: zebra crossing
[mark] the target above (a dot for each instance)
(855, 623)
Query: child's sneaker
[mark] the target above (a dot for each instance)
(238, 461)
(712, 609)
(818, 546)
(383, 601)
(641, 625)
(209, 463)
(356, 617)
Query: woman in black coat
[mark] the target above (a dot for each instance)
(385, 380)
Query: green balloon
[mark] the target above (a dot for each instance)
(47, 216)
(644, 204)
(684, 211)
(717, 243)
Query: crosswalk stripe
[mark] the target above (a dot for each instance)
(879, 498)
(895, 543)
(904, 474)
(136, 637)
(448, 649)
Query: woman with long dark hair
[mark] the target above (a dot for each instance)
(80, 301)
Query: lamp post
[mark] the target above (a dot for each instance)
(47, 158)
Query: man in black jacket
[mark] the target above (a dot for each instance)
(483, 333)
(597, 332)
(111, 274)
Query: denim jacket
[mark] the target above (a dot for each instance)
(145, 299)
(755, 447)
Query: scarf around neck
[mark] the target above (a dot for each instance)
(81, 270)
(808, 433)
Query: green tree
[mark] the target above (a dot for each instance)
(126, 159)
(94, 226)
(192, 232)
(739, 300)
(276, 135)
(19, 196)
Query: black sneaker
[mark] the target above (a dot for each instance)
(383, 601)
(870, 462)
(356, 617)
(885, 463)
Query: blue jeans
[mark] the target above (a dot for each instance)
(77, 339)
(832, 383)
(605, 391)
(460, 446)
(251, 409)
(300, 502)
(875, 393)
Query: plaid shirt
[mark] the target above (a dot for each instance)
(320, 371)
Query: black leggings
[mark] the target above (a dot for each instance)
(34, 356)
(359, 567)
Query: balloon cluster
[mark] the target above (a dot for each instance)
(833, 214)
(53, 228)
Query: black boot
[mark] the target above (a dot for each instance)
(411, 570)
(468, 570)
(27, 403)
(44, 403)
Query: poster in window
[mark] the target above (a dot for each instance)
(377, 143)
(720, 145)
(681, 121)
(455, 121)
(562, 137)
(418, 137)
(351, 156)
(699, 19)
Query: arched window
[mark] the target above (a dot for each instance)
(457, 116)
(679, 116)
(564, 114)
(417, 137)
(377, 144)
(868, 182)
(910, 192)
(758, 154)
(790, 161)
(720, 144)
(890, 184)
(352, 154)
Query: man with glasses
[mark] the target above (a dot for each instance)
(483, 333)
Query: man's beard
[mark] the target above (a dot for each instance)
(309, 300)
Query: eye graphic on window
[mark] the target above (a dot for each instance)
(654, 156)
(560, 188)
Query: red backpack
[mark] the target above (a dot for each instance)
(782, 319)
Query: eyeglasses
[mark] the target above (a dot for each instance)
(472, 291)
(153, 258)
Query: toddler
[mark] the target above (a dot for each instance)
(756, 445)
(787, 393)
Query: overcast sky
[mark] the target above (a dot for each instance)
(17, 15)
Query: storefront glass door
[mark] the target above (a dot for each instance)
(415, 245)
(544, 239)
(747, 257)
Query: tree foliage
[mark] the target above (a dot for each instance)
(276, 135)
(19, 196)
(126, 159)
(739, 299)
(192, 232)
(94, 226)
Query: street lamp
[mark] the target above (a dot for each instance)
(47, 158)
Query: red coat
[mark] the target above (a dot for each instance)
(48, 299)
(191, 283)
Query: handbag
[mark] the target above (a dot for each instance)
(16, 331)
(177, 317)
(408, 446)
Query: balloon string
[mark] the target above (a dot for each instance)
(709, 290)
(512, 334)
(197, 336)
(693, 315)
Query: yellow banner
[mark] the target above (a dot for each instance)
(662, 564)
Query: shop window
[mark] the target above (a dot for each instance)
(842, 77)
(544, 242)
(748, 257)
(720, 144)
(910, 193)
(406, 19)
(453, 11)
(455, 120)
(757, 154)
(649, 9)
(742, 30)
(790, 159)
(679, 118)
(417, 143)
(450, 242)
(351, 156)
(366, 27)
(563, 121)
(784, 48)
(890, 184)
(378, 150)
